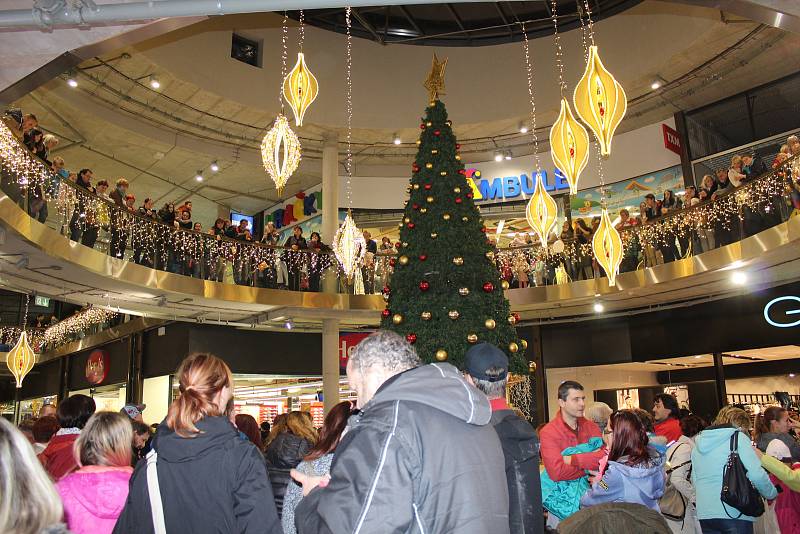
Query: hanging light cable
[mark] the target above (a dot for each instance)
(21, 358)
(348, 244)
(542, 210)
(280, 148)
(569, 142)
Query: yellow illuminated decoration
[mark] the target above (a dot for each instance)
(607, 246)
(600, 101)
(280, 152)
(541, 211)
(300, 89)
(21, 359)
(349, 246)
(434, 83)
(569, 146)
(476, 192)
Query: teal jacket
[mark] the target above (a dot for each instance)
(709, 456)
(563, 498)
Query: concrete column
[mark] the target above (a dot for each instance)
(330, 187)
(330, 362)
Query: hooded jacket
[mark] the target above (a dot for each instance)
(709, 456)
(212, 483)
(93, 498)
(639, 484)
(57, 458)
(283, 454)
(420, 457)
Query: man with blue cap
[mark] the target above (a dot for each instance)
(486, 367)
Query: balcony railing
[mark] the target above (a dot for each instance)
(94, 221)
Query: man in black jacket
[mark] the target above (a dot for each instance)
(420, 457)
(486, 367)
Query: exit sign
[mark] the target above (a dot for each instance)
(41, 301)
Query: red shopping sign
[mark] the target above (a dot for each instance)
(348, 342)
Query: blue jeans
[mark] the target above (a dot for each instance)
(726, 526)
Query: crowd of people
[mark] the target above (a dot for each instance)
(427, 448)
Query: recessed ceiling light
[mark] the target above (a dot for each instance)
(199, 176)
(498, 156)
(396, 139)
(214, 166)
(72, 82)
(655, 85)
(523, 129)
(739, 278)
(598, 307)
(154, 83)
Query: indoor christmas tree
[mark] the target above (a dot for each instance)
(446, 294)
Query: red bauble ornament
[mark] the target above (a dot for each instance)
(386, 313)
(462, 171)
(469, 195)
(392, 261)
(424, 285)
(411, 225)
(483, 230)
(415, 206)
(427, 187)
(437, 133)
(458, 200)
(386, 290)
(415, 167)
(458, 146)
(516, 317)
(398, 245)
(422, 126)
(488, 287)
(411, 338)
(423, 257)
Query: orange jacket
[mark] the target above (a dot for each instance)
(58, 458)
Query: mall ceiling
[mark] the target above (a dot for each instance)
(217, 109)
(462, 24)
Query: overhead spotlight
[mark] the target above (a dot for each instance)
(655, 85)
(214, 166)
(598, 307)
(154, 83)
(498, 156)
(72, 82)
(523, 128)
(396, 139)
(199, 176)
(739, 278)
(508, 155)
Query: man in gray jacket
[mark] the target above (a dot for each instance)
(420, 458)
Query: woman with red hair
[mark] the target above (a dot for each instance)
(635, 470)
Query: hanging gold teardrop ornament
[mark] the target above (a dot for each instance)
(280, 152)
(21, 358)
(600, 101)
(569, 146)
(607, 246)
(541, 211)
(300, 89)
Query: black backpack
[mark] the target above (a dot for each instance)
(737, 490)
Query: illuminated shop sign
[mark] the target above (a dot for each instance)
(778, 311)
(517, 187)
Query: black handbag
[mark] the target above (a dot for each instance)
(737, 490)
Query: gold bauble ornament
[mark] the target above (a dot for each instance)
(443, 173)
(458, 157)
(435, 151)
(403, 260)
(429, 200)
(419, 142)
(465, 219)
(490, 324)
(441, 355)
(400, 225)
(426, 316)
(406, 220)
(513, 347)
(524, 344)
(416, 186)
(472, 338)
(405, 244)
(429, 165)
(397, 318)
(504, 284)
(456, 190)
(434, 235)
(446, 216)
(453, 314)
(423, 210)
(532, 367)
(464, 291)
(490, 254)
(512, 319)
(458, 260)
(429, 123)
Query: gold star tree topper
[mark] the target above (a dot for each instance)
(435, 81)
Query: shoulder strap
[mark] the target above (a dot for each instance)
(154, 491)
(735, 441)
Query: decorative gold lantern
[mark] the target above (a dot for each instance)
(569, 146)
(300, 89)
(607, 246)
(600, 101)
(349, 247)
(21, 359)
(280, 152)
(541, 211)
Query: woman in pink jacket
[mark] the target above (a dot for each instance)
(95, 494)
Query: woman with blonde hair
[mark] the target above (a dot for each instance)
(29, 503)
(95, 494)
(200, 477)
(287, 450)
(709, 457)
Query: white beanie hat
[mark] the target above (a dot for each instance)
(778, 449)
